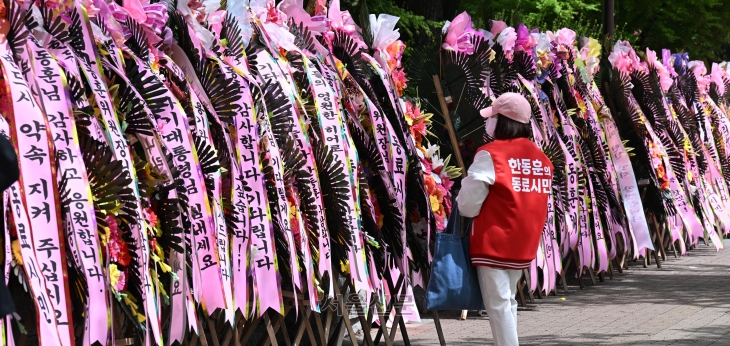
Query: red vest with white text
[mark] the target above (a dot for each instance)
(507, 231)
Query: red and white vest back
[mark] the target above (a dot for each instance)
(507, 231)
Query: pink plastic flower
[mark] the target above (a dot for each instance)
(400, 80)
(216, 19)
(526, 41)
(624, 58)
(497, 27)
(121, 282)
(459, 34)
(446, 181)
(698, 68)
(427, 169)
(716, 77)
(151, 217)
(664, 78)
(507, 40)
(566, 37)
(440, 225)
(395, 52)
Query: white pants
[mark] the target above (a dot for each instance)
(498, 288)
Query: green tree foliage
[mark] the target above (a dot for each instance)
(699, 27)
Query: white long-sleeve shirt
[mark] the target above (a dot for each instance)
(475, 187)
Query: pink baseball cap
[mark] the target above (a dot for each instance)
(511, 105)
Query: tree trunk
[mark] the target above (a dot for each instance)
(451, 9)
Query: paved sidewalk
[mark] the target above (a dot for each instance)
(686, 302)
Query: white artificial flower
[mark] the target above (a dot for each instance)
(446, 27)
(431, 149)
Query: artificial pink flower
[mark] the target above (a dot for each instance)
(151, 217)
(400, 80)
(459, 34)
(566, 37)
(446, 181)
(716, 77)
(447, 205)
(525, 41)
(507, 40)
(216, 19)
(419, 128)
(427, 169)
(121, 282)
(440, 225)
(497, 27)
(698, 68)
(624, 58)
(395, 51)
(664, 78)
(442, 191)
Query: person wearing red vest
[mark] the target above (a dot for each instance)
(506, 192)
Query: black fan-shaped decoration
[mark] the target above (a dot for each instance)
(381, 186)
(18, 32)
(224, 91)
(335, 190)
(109, 182)
(208, 162)
(303, 38)
(231, 33)
(168, 212)
(279, 110)
(130, 105)
(149, 87)
(137, 42)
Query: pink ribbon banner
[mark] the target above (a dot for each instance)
(38, 183)
(82, 225)
(629, 190)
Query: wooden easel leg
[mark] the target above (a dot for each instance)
(439, 331)
(660, 231)
(345, 313)
(201, 336)
(338, 333)
(310, 332)
(270, 330)
(284, 331)
(300, 330)
(392, 302)
(578, 269)
(382, 317)
(403, 332)
(249, 329)
(617, 265)
(299, 335)
(528, 284)
(213, 332)
(564, 280)
(279, 324)
(521, 293)
(592, 274)
(398, 320)
(364, 322)
(323, 335)
(610, 270)
(328, 325)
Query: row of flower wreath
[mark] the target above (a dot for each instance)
(669, 125)
(182, 157)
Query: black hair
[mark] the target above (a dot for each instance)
(509, 129)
